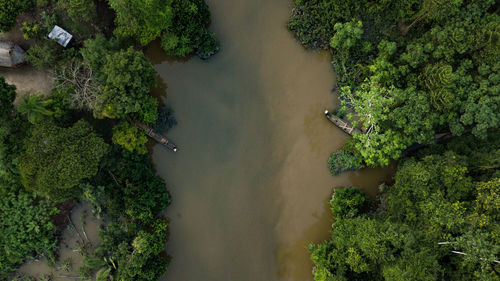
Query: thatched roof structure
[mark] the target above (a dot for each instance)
(10, 54)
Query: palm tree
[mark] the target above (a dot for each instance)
(34, 107)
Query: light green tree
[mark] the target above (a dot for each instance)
(130, 137)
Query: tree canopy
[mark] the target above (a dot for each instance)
(181, 25)
(116, 82)
(26, 229)
(444, 199)
(57, 159)
(409, 69)
(130, 137)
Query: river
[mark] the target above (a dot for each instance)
(250, 182)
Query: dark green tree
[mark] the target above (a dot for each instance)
(7, 96)
(57, 159)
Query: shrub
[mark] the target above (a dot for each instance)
(342, 160)
(130, 138)
(10, 9)
(348, 202)
(41, 56)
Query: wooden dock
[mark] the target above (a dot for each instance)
(341, 124)
(157, 137)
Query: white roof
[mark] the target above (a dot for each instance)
(62, 36)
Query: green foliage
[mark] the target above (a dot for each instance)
(43, 55)
(130, 137)
(140, 260)
(79, 10)
(12, 131)
(144, 20)
(59, 106)
(342, 161)
(189, 33)
(435, 67)
(7, 96)
(57, 159)
(129, 77)
(34, 107)
(133, 190)
(10, 9)
(438, 196)
(39, 30)
(128, 256)
(348, 203)
(95, 52)
(181, 25)
(26, 230)
(131, 194)
(125, 78)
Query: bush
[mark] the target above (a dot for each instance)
(348, 202)
(79, 10)
(25, 228)
(10, 9)
(342, 161)
(39, 30)
(42, 56)
(130, 137)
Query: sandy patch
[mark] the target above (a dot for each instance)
(28, 79)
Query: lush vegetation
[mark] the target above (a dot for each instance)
(181, 25)
(447, 198)
(129, 251)
(56, 160)
(10, 9)
(409, 69)
(27, 229)
(80, 142)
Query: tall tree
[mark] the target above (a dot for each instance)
(57, 159)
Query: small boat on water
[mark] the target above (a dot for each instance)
(157, 137)
(341, 123)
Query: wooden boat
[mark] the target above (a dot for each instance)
(341, 123)
(157, 137)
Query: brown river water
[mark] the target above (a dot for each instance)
(250, 183)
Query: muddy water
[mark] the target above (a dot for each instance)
(83, 230)
(250, 182)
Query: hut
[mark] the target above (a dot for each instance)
(60, 35)
(10, 54)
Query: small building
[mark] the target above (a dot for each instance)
(60, 35)
(10, 54)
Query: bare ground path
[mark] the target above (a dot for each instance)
(26, 78)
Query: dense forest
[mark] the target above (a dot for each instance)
(439, 220)
(407, 69)
(79, 143)
(412, 73)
